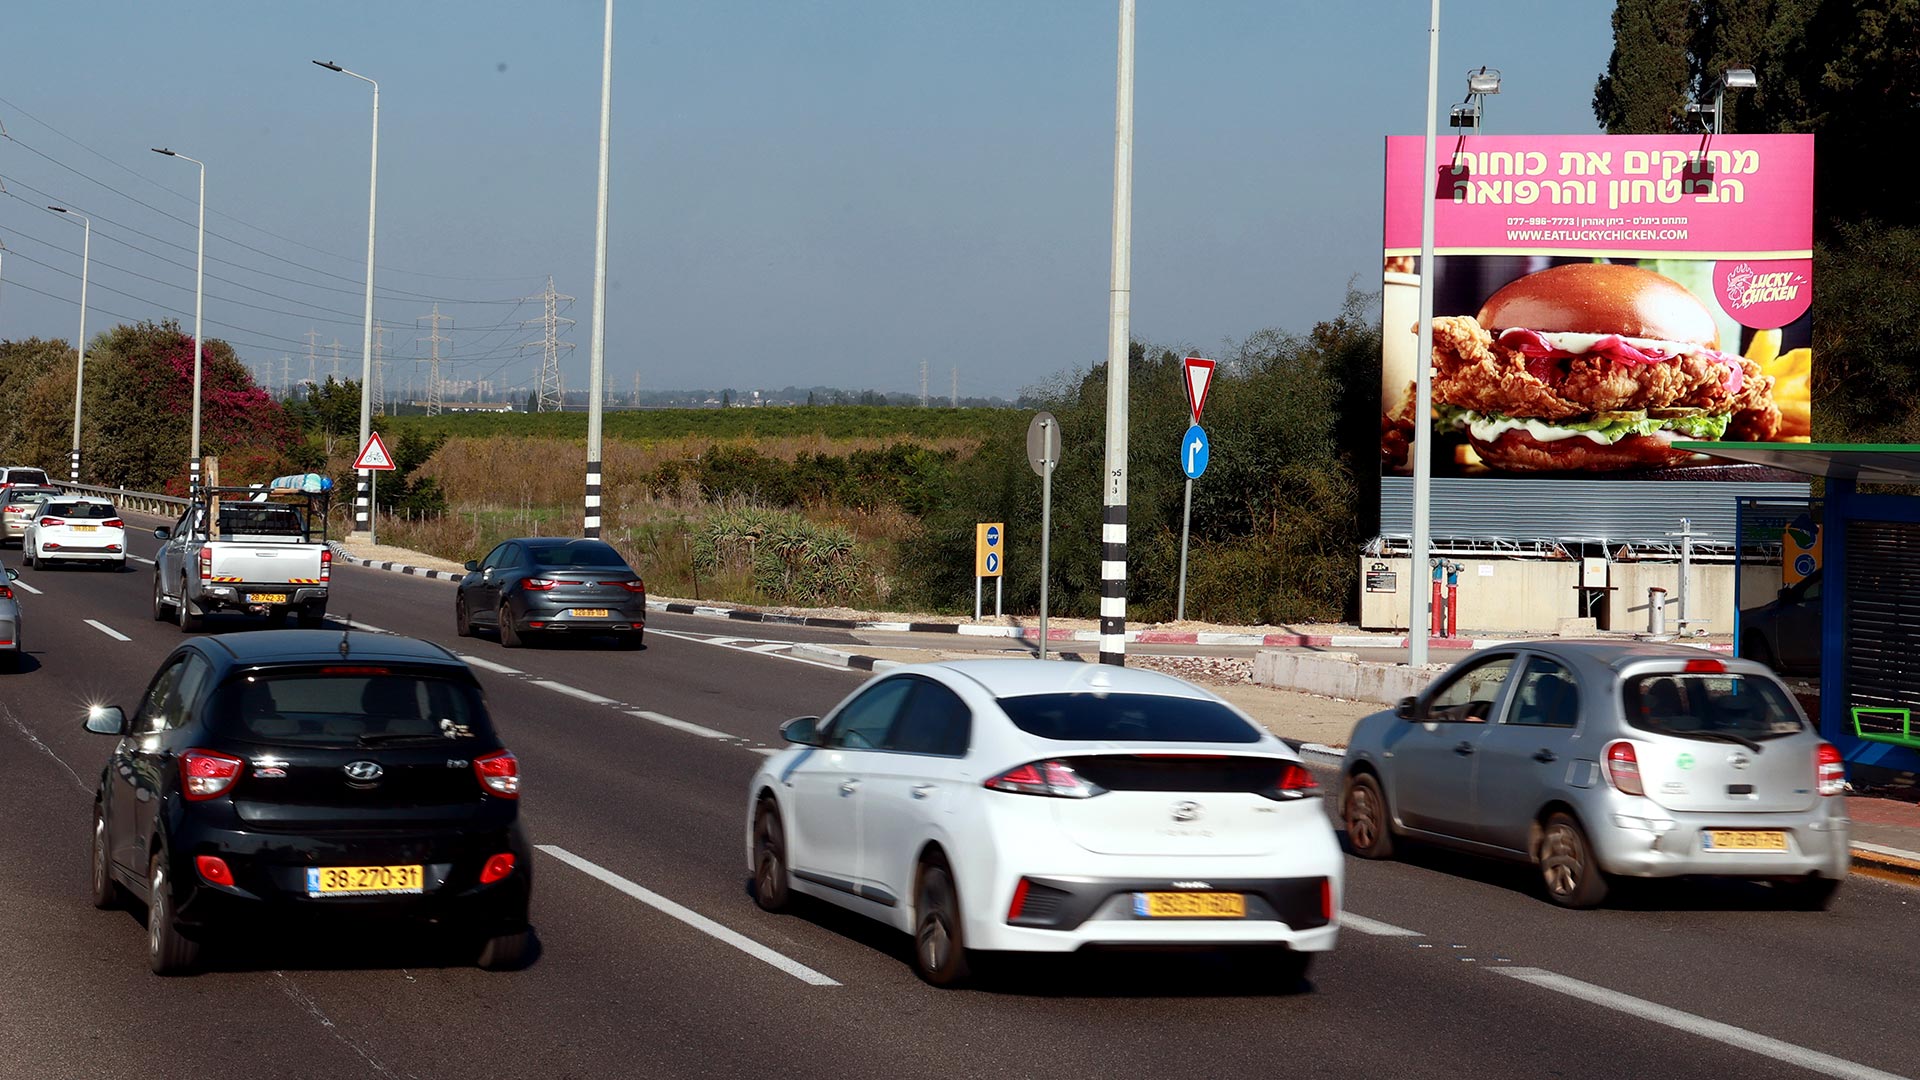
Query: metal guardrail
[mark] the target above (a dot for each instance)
(146, 502)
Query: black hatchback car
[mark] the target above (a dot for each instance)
(540, 585)
(305, 774)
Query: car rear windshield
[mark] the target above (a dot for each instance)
(1126, 718)
(83, 511)
(560, 556)
(351, 705)
(1713, 707)
(26, 476)
(260, 521)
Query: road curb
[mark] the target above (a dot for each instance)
(341, 552)
(856, 661)
(1885, 860)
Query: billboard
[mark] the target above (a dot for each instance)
(1598, 299)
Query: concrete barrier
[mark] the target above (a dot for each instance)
(1341, 675)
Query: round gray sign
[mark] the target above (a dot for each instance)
(1043, 443)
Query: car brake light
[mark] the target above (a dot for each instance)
(207, 774)
(6, 592)
(630, 586)
(214, 869)
(53, 521)
(326, 564)
(1828, 771)
(15, 509)
(1054, 778)
(1295, 782)
(1706, 667)
(206, 564)
(497, 867)
(1019, 903)
(1623, 769)
(1326, 899)
(113, 523)
(537, 584)
(499, 773)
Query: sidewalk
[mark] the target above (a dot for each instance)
(1886, 831)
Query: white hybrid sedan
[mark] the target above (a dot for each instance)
(75, 529)
(1034, 806)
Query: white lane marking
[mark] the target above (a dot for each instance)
(138, 559)
(692, 918)
(764, 751)
(489, 665)
(572, 691)
(1882, 849)
(368, 627)
(730, 643)
(1740, 1038)
(680, 725)
(1350, 921)
(108, 630)
(23, 585)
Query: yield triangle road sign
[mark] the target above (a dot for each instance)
(1198, 376)
(374, 455)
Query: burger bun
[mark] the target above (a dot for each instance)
(1601, 298)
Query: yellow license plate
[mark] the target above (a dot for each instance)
(83, 528)
(1190, 905)
(1745, 840)
(362, 880)
(266, 598)
(589, 613)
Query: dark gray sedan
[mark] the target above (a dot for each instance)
(541, 585)
(1593, 760)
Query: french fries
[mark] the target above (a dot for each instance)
(1792, 373)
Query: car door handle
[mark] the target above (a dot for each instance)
(1463, 748)
(849, 787)
(1544, 756)
(921, 791)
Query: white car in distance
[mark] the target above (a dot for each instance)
(1027, 806)
(75, 529)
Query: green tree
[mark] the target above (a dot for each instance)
(1646, 85)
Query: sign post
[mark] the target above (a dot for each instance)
(374, 460)
(989, 540)
(1197, 377)
(1043, 454)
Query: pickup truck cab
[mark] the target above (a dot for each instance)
(259, 558)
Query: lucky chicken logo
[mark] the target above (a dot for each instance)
(1746, 287)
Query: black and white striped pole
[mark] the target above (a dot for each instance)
(596, 382)
(1113, 518)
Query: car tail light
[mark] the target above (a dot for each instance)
(1706, 667)
(1295, 782)
(6, 592)
(1019, 903)
(1326, 899)
(497, 867)
(206, 563)
(207, 775)
(53, 521)
(1055, 778)
(537, 584)
(15, 509)
(326, 564)
(1828, 770)
(630, 586)
(1623, 769)
(214, 869)
(499, 773)
(113, 523)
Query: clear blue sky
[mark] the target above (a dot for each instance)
(810, 191)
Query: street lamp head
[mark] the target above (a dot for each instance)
(1739, 79)
(58, 209)
(159, 150)
(1464, 116)
(1485, 81)
(329, 65)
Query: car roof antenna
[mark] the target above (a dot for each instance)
(345, 629)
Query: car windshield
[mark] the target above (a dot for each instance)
(1722, 708)
(560, 556)
(350, 706)
(260, 520)
(83, 511)
(1087, 717)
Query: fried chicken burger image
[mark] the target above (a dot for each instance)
(1594, 367)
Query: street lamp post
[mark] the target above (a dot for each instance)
(1113, 512)
(80, 365)
(362, 510)
(1423, 367)
(596, 376)
(199, 306)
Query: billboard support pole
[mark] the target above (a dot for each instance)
(1423, 360)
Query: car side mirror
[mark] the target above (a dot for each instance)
(106, 720)
(162, 533)
(802, 731)
(12, 574)
(1407, 708)
(472, 565)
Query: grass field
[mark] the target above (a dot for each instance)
(642, 425)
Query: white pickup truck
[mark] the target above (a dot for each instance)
(260, 558)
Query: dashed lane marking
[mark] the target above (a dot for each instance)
(680, 725)
(489, 665)
(23, 585)
(108, 630)
(572, 691)
(1350, 921)
(692, 918)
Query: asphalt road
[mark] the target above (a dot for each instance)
(656, 963)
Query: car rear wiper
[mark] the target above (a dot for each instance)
(1724, 736)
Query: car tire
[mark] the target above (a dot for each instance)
(633, 640)
(14, 659)
(161, 611)
(462, 621)
(506, 952)
(119, 566)
(1567, 866)
(772, 885)
(189, 619)
(1364, 812)
(26, 557)
(939, 939)
(1813, 894)
(106, 891)
(169, 952)
(1760, 652)
(509, 637)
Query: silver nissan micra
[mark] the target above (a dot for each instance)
(1595, 759)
